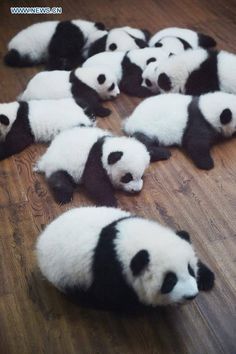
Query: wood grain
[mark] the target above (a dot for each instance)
(34, 317)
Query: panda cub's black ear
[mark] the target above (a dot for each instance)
(139, 262)
(184, 235)
(226, 116)
(4, 119)
(113, 157)
(101, 79)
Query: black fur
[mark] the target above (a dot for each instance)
(150, 60)
(156, 152)
(147, 34)
(13, 58)
(184, 235)
(100, 26)
(62, 186)
(164, 82)
(168, 283)
(186, 45)
(205, 278)
(132, 79)
(114, 157)
(191, 271)
(4, 120)
(20, 136)
(85, 96)
(139, 262)
(95, 178)
(98, 46)
(205, 78)
(199, 136)
(65, 47)
(226, 116)
(205, 41)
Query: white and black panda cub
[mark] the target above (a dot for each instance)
(23, 123)
(128, 67)
(181, 37)
(99, 161)
(119, 39)
(195, 123)
(107, 258)
(59, 44)
(194, 72)
(88, 86)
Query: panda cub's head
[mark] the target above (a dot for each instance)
(172, 45)
(101, 79)
(120, 40)
(125, 161)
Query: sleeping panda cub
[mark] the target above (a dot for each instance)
(99, 161)
(59, 44)
(88, 86)
(109, 259)
(23, 123)
(194, 123)
(187, 38)
(128, 67)
(119, 39)
(194, 72)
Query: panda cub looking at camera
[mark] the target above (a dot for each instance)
(183, 37)
(59, 44)
(128, 67)
(99, 161)
(194, 72)
(194, 123)
(23, 123)
(107, 258)
(88, 86)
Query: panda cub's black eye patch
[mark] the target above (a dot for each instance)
(111, 87)
(226, 116)
(148, 82)
(126, 178)
(150, 60)
(191, 271)
(158, 44)
(112, 46)
(169, 282)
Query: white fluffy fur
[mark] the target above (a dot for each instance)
(172, 45)
(65, 253)
(55, 84)
(165, 116)
(122, 37)
(188, 35)
(33, 41)
(47, 118)
(70, 149)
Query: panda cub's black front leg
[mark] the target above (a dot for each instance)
(201, 156)
(101, 111)
(62, 186)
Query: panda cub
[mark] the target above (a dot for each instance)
(128, 67)
(194, 123)
(198, 71)
(119, 39)
(109, 259)
(59, 44)
(187, 38)
(23, 123)
(99, 161)
(86, 85)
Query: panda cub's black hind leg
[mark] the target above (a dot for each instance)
(101, 111)
(62, 186)
(156, 152)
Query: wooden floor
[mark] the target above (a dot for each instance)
(34, 317)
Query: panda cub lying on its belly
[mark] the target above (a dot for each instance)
(99, 161)
(23, 123)
(107, 258)
(195, 123)
(88, 86)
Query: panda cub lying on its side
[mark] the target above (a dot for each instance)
(59, 44)
(194, 72)
(99, 161)
(23, 123)
(88, 86)
(107, 258)
(195, 123)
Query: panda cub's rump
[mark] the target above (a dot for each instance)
(191, 122)
(107, 258)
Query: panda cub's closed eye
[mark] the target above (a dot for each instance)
(4, 119)
(226, 116)
(111, 87)
(127, 178)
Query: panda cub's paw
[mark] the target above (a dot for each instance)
(204, 163)
(159, 153)
(102, 111)
(62, 186)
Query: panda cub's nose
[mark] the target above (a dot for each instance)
(191, 297)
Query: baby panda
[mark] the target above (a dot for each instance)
(187, 38)
(195, 72)
(99, 161)
(128, 67)
(59, 44)
(194, 123)
(23, 123)
(107, 258)
(88, 86)
(119, 39)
